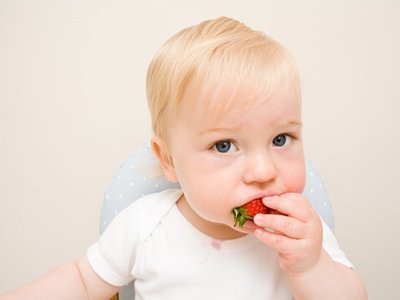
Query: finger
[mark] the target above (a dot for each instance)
(280, 243)
(291, 204)
(285, 225)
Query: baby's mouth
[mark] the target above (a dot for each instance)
(243, 215)
(246, 212)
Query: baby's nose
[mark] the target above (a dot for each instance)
(259, 167)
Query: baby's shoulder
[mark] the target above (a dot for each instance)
(153, 203)
(147, 212)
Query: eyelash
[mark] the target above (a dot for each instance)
(292, 138)
(215, 145)
(286, 135)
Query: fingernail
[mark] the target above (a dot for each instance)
(268, 199)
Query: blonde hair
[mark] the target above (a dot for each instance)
(221, 51)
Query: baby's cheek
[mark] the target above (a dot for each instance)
(213, 209)
(216, 210)
(207, 204)
(296, 182)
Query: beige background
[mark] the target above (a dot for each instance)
(73, 108)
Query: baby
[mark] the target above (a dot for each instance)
(226, 114)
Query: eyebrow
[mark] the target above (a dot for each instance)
(216, 129)
(297, 124)
(293, 123)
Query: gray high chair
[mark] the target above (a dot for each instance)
(129, 184)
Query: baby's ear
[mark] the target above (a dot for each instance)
(161, 152)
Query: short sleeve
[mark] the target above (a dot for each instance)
(332, 247)
(112, 257)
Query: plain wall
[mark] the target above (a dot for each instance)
(73, 108)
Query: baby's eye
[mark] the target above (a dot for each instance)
(224, 146)
(281, 140)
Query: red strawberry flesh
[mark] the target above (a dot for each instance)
(248, 211)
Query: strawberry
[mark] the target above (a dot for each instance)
(248, 211)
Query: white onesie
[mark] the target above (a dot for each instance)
(152, 243)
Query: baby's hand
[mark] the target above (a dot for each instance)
(297, 235)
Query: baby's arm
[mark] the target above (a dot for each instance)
(71, 281)
(310, 271)
(327, 280)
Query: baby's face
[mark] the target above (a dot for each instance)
(226, 160)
